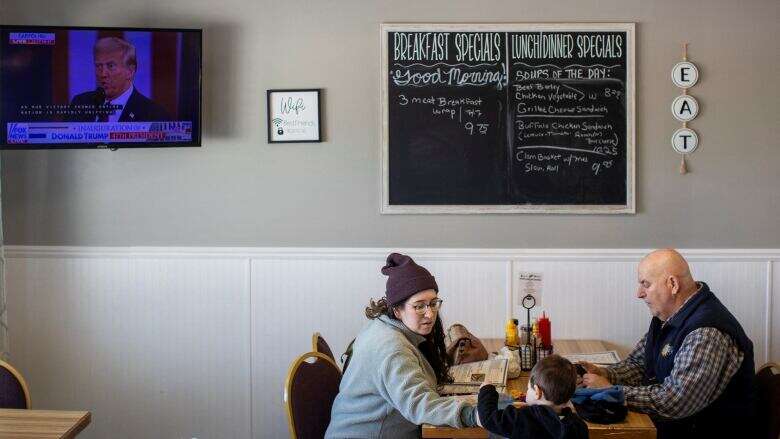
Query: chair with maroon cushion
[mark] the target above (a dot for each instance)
(318, 344)
(311, 386)
(13, 388)
(768, 385)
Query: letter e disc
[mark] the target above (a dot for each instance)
(685, 74)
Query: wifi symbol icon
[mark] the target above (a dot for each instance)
(278, 122)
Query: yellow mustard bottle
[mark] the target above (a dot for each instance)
(511, 333)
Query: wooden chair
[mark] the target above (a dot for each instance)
(14, 393)
(318, 344)
(768, 400)
(311, 386)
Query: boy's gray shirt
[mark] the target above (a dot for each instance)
(389, 388)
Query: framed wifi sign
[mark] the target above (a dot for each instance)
(294, 116)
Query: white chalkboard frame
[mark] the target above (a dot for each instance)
(628, 208)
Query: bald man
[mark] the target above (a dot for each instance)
(693, 370)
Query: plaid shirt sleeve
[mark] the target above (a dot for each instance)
(703, 367)
(630, 371)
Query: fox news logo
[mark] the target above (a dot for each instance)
(17, 133)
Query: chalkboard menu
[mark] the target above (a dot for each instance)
(508, 118)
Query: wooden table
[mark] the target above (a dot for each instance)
(40, 424)
(636, 425)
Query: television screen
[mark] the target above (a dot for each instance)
(77, 87)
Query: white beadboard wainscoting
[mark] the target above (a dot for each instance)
(196, 342)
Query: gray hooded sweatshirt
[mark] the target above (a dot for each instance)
(389, 388)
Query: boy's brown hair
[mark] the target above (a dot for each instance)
(557, 378)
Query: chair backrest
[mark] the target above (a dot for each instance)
(768, 383)
(346, 357)
(318, 344)
(311, 386)
(13, 389)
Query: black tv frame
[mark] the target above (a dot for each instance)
(197, 137)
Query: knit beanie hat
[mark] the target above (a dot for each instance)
(405, 278)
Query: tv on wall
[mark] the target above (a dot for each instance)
(98, 87)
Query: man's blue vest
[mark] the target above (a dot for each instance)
(732, 412)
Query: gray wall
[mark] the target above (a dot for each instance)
(237, 190)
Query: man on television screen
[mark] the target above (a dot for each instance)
(116, 99)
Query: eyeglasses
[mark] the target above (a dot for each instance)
(434, 305)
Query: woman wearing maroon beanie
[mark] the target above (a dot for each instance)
(397, 363)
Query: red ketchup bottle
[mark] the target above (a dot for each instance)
(545, 331)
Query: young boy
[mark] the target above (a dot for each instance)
(548, 411)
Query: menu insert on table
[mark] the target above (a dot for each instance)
(468, 377)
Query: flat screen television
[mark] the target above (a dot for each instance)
(98, 87)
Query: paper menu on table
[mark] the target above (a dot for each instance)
(606, 357)
(468, 377)
(478, 372)
(462, 390)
